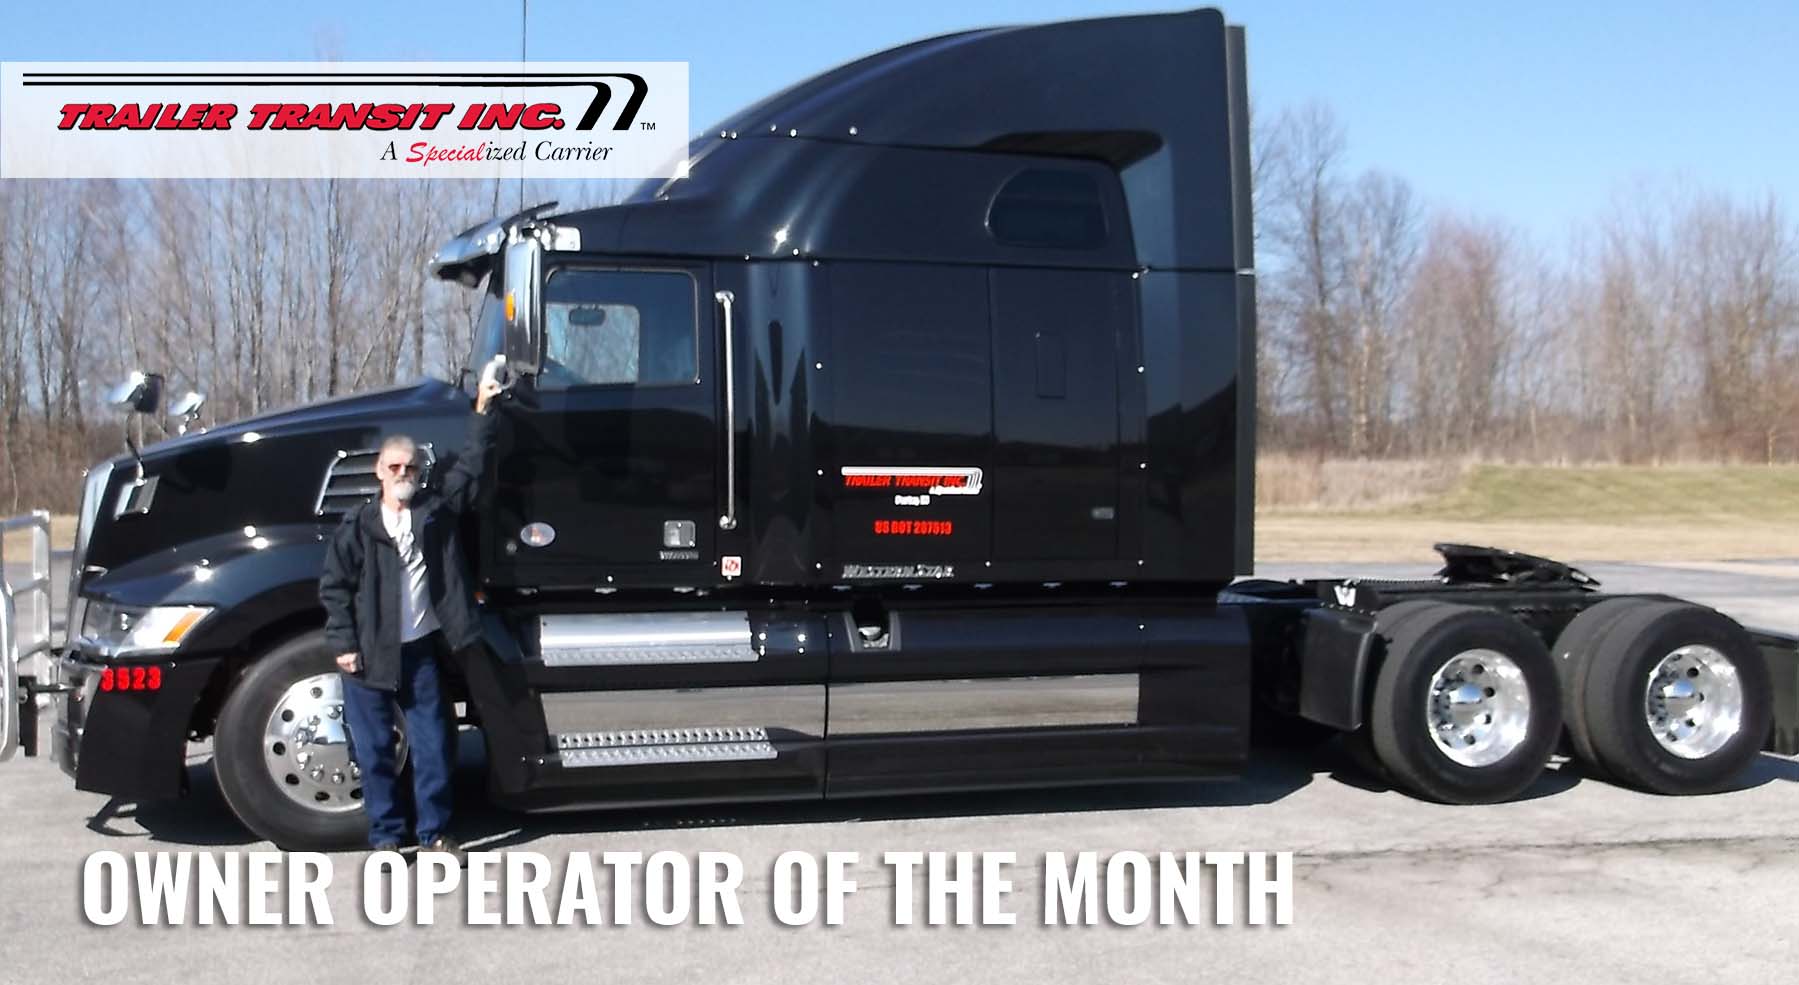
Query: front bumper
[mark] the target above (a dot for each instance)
(129, 744)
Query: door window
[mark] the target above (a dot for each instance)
(618, 327)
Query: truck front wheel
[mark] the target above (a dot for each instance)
(1466, 706)
(282, 753)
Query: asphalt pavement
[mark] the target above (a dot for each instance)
(1579, 880)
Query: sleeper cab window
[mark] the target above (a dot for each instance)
(1049, 207)
(618, 328)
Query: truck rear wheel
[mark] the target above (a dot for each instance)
(1676, 699)
(1573, 660)
(1360, 743)
(281, 750)
(1466, 706)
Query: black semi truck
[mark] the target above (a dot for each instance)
(904, 443)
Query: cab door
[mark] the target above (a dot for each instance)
(606, 470)
(609, 474)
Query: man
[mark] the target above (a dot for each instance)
(397, 596)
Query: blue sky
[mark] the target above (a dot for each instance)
(1539, 113)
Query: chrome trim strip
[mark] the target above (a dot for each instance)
(585, 657)
(982, 703)
(628, 638)
(584, 715)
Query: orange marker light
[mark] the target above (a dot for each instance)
(182, 625)
(511, 307)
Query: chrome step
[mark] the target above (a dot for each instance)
(648, 747)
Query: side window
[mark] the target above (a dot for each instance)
(612, 327)
(1044, 207)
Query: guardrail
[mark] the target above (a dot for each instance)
(37, 637)
(17, 645)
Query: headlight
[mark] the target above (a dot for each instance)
(123, 630)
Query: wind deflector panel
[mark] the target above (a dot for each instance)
(1151, 95)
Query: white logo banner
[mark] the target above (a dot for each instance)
(342, 119)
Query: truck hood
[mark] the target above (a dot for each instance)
(402, 399)
(260, 472)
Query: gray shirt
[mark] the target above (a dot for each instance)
(417, 618)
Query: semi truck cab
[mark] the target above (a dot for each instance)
(904, 442)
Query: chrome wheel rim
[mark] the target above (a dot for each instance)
(1478, 709)
(306, 747)
(1694, 701)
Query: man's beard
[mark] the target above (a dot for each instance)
(403, 490)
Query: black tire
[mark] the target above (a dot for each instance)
(1573, 660)
(250, 789)
(1398, 726)
(1360, 743)
(1617, 685)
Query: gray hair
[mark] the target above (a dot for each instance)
(401, 441)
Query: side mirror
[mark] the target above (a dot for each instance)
(524, 304)
(187, 405)
(187, 408)
(141, 392)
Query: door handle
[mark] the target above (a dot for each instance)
(729, 520)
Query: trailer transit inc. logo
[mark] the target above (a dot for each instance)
(343, 120)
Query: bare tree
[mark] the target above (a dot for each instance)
(1338, 254)
(1665, 327)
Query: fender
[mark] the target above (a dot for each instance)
(252, 579)
(132, 744)
(129, 745)
(1337, 662)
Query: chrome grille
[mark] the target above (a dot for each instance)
(350, 480)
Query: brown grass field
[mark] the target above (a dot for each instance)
(1395, 511)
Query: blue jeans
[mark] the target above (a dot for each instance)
(369, 712)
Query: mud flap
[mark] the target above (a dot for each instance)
(27, 715)
(1336, 657)
(1782, 653)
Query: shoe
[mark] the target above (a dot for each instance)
(445, 843)
(386, 846)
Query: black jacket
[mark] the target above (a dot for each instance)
(362, 599)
